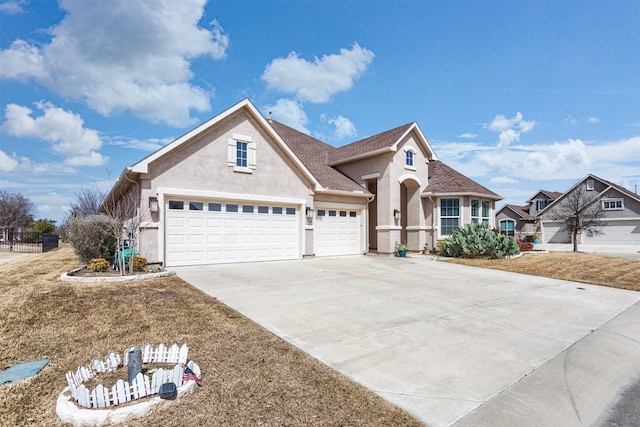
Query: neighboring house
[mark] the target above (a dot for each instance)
(522, 221)
(242, 188)
(620, 221)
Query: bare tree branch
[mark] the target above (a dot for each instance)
(579, 212)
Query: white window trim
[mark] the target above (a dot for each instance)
(479, 216)
(613, 200)
(440, 217)
(251, 153)
(414, 152)
(488, 217)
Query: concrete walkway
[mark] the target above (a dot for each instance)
(624, 251)
(448, 343)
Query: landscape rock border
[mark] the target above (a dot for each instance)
(69, 277)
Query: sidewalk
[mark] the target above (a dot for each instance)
(624, 251)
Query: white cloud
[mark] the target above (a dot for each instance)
(12, 7)
(7, 163)
(122, 55)
(318, 80)
(64, 129)
(344, 128)
(510, 128)
(503, 180)
(151, 144)
(468, 135)
(593, 120)
(21, 61)
(289, 112)
(570, 120)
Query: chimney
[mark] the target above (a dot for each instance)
(270, 121)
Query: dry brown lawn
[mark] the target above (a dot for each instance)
(250, 376)
(574, 266)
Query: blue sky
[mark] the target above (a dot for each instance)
(519, 96)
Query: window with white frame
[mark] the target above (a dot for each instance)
(409, 159)
(242, 153)
(475, 210)
(508, 226)
(613, 204)
(590, 184)
(449, 216)
(486, 212)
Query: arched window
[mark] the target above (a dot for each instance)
(409, 158)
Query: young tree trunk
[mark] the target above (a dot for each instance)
(575, 241)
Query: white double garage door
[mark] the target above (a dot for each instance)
(219, 231)
(616, 232)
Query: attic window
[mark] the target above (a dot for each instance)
(409, 161)
(590, 184)
(241, 153)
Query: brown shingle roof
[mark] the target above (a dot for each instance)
(313, 154)
(369, 144)
(520, 210)
(443, 179)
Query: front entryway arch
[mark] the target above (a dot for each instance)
(410, 210)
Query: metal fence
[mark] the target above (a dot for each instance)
(26, 241)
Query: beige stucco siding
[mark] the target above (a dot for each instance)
(202, 164)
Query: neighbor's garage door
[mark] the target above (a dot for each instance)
(553, 234)
(337, 232)
(616, 233)
(214, 231)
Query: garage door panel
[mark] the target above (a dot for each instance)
(616, 233)
(227, 234)
(337, 232)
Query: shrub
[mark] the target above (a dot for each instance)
(86, 235)
(525, 246)
(477, 240)
(108, 248)
(139, 263)
(98, 265)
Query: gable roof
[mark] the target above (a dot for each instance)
(518, 210)
(142, 166)
(610, 185)
(314, 154)
(386, 141)
(444, 180)
(553, 195)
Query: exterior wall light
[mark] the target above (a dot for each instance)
(309, 212)
(396, 214)
(153, 204)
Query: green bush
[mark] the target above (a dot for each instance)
(98, 265)
(139, 263)
(477, 240)
(108, 248)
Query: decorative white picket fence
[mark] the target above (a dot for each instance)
(141, 386)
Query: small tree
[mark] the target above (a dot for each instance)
(16, 210)
(579, 212)
(44, 226)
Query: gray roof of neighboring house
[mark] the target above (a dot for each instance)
(553, 195)
(367, 145)
(314, 155)
(444, 179)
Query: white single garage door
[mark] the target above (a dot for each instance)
(215, 231)
(616, 233)
(337, 232)
(552, 233)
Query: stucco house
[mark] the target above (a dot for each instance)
(241, 187)
(620, 208)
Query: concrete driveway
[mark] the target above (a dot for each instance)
(450, 344)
